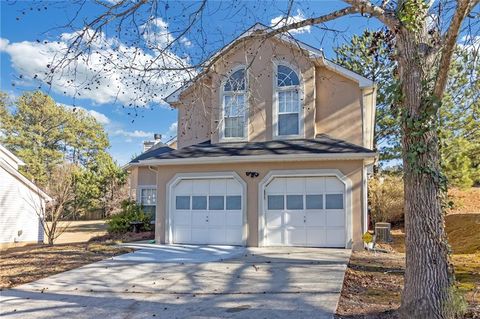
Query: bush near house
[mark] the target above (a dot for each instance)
(385, 196)
(131, 212)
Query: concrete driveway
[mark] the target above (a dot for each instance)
(190, 282)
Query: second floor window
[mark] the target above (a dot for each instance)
(234, 105)
(288, 102)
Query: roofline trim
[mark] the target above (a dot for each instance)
(12, 156)
(25, 180)
(362, 81)
(254, 158)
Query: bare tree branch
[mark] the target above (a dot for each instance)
(450, 39)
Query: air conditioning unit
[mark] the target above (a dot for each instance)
(383, 232)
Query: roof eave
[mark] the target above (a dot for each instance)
(254, 158)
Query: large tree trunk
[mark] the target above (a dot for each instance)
(428, 277)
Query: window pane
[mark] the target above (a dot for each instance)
(199, 202)
(314, 201)
(236, 82)
(150, 210)
(294, 201)
(215, 202)
(148, 196)
(334, 201)
(286, 76)
(275, 202)
(234, 127)
(288, 124)
(182, 202)
(234, 202)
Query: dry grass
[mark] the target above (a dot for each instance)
(25, 264)
(464, 200)
(373, 283)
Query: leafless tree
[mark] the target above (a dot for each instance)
(425, 36)
(52, 214)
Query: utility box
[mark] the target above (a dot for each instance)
(383, 232)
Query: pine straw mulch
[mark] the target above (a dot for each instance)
(374, 282)
(21, 265)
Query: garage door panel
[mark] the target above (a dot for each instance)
(275, 236)
(305, 211)
(277, 186)
(217, 236)
(294, 219)
(218, 186)
(314, 185)
(206, 210)
(199, 218)
(200, 187)
(296, 236)
(333, 184)
(182, 234)
(335, 237)
(200, 235)
(295, 185)
(233, 236)
(183, 218)
(335, 218)
(315, 218)
(184, 187)
(216, 218)
(234, 218)
(316, 236)
(233, 187)
(274, 219)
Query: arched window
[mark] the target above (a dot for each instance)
(235, 105)
(288, 105)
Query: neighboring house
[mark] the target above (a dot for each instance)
(21, 202)
(273, 146)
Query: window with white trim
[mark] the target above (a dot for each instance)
(288, 102)
(234, 106)
(148, 200)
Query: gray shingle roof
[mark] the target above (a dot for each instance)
(320, 145)
(152, 153)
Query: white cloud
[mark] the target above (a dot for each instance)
(132, 134)
(171, 133)
(186, 42)
(107, 73)
(100, 117)
(3, 44)
(281, 21)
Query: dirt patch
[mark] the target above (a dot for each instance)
(25, 264)
(373, 282)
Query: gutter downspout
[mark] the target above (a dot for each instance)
(157, 211)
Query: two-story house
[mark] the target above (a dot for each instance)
(274, 143)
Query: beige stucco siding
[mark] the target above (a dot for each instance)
(351, 169)
(194, 114)
(259, 57)
(338, 104)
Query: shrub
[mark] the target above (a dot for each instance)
(385, 196)
(131, 212)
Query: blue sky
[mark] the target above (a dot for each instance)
(26, 25)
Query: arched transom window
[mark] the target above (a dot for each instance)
(288, 105)
(234, 105)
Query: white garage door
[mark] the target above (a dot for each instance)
(306, 211)
(208, 211)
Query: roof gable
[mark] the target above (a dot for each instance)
(315, 54)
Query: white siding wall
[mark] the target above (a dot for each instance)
(17, 211)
